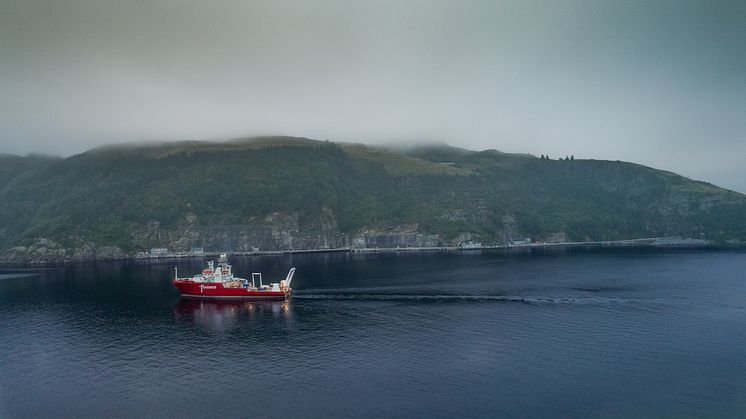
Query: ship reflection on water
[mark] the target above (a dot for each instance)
(219, 316)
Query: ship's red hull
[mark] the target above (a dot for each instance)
(192, 289)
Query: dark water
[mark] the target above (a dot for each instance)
(615, 334)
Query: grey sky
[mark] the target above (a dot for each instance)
(662, 83)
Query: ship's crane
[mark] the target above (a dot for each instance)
(289, 278)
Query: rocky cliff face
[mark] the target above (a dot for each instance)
(44, 250)
(275, 232)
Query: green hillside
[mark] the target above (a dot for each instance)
(280, 192)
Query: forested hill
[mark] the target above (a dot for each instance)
(292, 193)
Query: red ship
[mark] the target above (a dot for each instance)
(219, 282)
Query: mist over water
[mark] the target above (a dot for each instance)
(477, 334)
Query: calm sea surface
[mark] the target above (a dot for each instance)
(472, 334)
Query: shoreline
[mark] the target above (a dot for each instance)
(663, 243)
